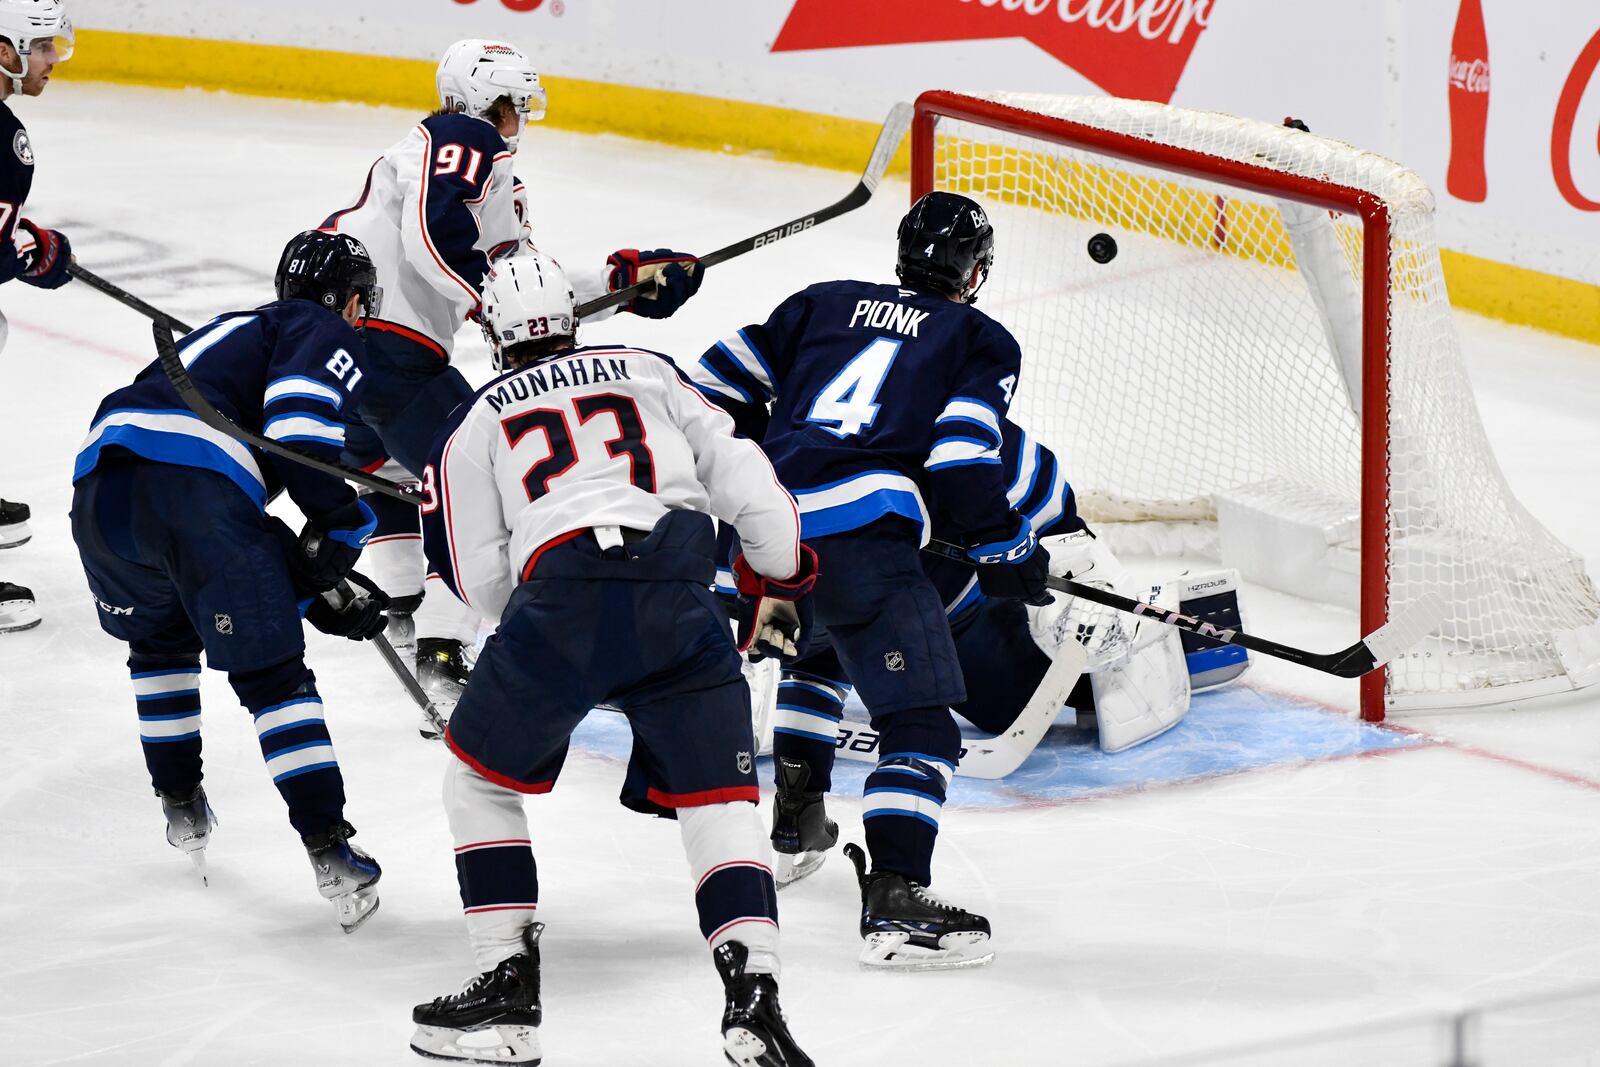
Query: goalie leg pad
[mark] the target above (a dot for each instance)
(1147, 694)
(1214, 598)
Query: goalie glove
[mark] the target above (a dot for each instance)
(1011, 564)
(774, 614)
(345, 612)
(677, 276)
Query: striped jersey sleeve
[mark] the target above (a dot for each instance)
(748, 367)
(313, 382)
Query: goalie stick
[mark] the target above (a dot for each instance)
(889, 138)
(1363, 657)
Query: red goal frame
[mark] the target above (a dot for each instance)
(935, 104)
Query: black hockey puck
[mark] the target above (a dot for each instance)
(1102, 248)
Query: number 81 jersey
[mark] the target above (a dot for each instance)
(595, 436)
(879, 394)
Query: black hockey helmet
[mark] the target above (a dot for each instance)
(325, 268)
(946, 243)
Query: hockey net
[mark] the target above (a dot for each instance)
(1267, 370)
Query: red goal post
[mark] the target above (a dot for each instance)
(1065, 165)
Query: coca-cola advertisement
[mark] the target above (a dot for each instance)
(1469, 104)
(1132, 48)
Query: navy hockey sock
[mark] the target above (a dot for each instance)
(495, 869)
(734, 893)
(295, 742)
(906, 791)
(167, 690)
(806, 727)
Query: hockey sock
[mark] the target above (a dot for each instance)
(294, 741)
(806, 726)
(733, 888)
(443, 615)
(905, 792)
(167, 690)
(393, 556)
(494, 862)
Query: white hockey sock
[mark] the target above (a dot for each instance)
(734, 891)
(494, 862)
(442, 615)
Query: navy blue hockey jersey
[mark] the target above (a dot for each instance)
(286, 370)
(884, 396)
(16, 182)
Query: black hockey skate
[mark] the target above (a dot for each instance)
(190, 821)
(754, 1033)
(442, 671)
(17, 609)
(802, 833)
(502, 1004)
(908, 928)
(14, 524)
(345, 874)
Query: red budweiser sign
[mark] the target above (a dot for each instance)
(1135, 48)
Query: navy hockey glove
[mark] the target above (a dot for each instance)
(1012, 565)
(775, 614)
(345, 612)
(329, 547)
(46, 254)
(678, 278)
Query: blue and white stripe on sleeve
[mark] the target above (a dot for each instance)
(305, 428)
(299, 387)
(966, 432)
(734, 369)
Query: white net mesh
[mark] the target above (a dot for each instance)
(1217, 358)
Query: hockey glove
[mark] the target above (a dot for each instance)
(1012, 565)
(46, 255)
(345, 612)
(677, 277)
(775, 614)
(329, 547)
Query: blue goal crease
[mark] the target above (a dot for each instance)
(1227, 731)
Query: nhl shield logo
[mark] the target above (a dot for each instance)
(23, 147)
(894, 661)
(224, 624)
(744, 762)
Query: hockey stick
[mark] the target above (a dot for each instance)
(409, 682)
(1363, 657)
(889, 138)
(1000, 755)
(122, 296)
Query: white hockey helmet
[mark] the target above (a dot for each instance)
(474, 74)
(526, 298)
(25, 23)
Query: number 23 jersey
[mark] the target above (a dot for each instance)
(597, 436)
(880, 394)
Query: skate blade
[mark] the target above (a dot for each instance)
(511, 1044)
(355, 908)
(14, 535)
(17, 621)
(198, 858)
(892, 952)
(744, 1049)
(790, 869)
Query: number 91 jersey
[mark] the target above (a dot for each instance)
(879, 395)
(596, 436)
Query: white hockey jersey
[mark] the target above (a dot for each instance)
(599, 436)
(436, 209)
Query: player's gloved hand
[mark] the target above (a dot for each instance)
(677, 275)
(1011, 563)
(329, 547)
(46, 253)
(348, 612)
(775, 614)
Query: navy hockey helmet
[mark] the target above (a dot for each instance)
(325, 268)
(946, 243)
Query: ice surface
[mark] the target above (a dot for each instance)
(1231, 885)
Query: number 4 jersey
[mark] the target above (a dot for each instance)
(596, 436)
(880, 395)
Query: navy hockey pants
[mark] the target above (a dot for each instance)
(636, 628)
